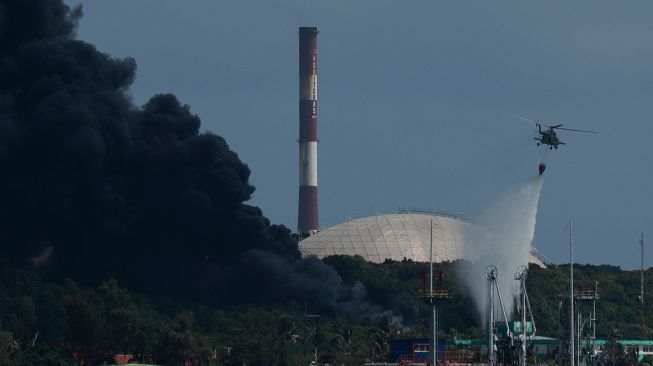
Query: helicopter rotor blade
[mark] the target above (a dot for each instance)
(527, 120)
(571, 129)
(556, 126)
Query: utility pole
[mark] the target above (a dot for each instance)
(571, 292)
(433, 348)
(641, 290)
(431, 298)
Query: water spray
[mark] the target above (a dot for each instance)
(507, 231)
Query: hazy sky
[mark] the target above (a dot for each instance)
(418, 103)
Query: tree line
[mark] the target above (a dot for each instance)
(60, 322)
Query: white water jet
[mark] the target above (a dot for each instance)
(505, 238)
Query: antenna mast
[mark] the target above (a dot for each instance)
(571, 292)
(433, 347)
(641, 290)
(432, 297)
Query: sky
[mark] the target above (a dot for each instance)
(418, 104)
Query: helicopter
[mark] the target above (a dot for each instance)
(548, 136)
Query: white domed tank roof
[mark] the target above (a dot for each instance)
(394, 236)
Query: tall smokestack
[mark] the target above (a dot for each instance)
(307, 213)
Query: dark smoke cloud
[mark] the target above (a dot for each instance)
(92, 186)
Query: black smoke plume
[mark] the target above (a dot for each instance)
(93, 187)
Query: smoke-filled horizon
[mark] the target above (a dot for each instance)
(505, 239)
(95, 187)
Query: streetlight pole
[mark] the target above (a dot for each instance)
(431, 298)
(641, 290)
(571, 292)
(434, 309)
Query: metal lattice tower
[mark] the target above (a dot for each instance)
(524, 309)
(493, 295)
(585, 306)
(585, 348)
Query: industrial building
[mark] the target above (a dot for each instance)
(415, 351)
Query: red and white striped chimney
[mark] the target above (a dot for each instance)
(307, 214)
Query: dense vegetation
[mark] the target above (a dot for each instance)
(619, 303)
(45, 323)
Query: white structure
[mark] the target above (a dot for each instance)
(395, 236)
